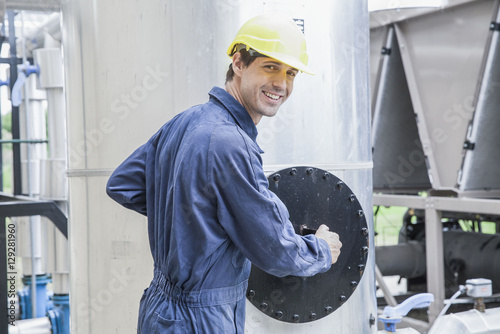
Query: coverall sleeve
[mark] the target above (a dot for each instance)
(127, 184)
(255, 218)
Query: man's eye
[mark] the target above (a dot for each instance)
(271, 67)
(292, 74)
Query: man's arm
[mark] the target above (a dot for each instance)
(127, 184)
(255, 218)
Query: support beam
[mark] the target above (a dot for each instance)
(48, 209)
(389, 298)
(453, 204)
(19, 206)
(415, 202)
(435, 259)
(472, 205)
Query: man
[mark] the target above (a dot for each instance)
(200, 182)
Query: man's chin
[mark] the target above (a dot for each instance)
(271, 112)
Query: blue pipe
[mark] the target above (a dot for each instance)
(59, 315)
(43, 300)
(24, 71)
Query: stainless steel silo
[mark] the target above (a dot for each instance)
(326, 124)
(128, 73)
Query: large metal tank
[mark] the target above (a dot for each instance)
(326, 124)
(128, 73)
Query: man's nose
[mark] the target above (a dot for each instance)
(280, 80)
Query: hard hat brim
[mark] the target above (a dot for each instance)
(290, 61)
(285, 59)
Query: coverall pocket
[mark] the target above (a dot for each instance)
(169, 326)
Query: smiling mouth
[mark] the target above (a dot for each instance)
(272, 96)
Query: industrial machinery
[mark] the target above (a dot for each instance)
(434, 79)
(414, 86)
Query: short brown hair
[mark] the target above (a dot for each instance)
(247, 60)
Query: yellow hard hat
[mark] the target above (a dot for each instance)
(273, 36)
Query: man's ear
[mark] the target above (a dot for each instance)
(237, 64)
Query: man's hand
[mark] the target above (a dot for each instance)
(332, 240)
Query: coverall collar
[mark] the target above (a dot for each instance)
(236, 110)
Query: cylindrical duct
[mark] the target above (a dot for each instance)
(405, 259)
(127, 74)
(472, 255)
(32, 122)
(466, 255)
(25, 245)
(37, 38)
(35, 124)
(54, 183)
(51, 78)
(32, 326)
(54, 180)
(51, 70)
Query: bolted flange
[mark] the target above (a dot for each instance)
(314, 197)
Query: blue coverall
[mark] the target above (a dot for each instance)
(200, 182)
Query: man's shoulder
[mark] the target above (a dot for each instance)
(201, 116)
(229, 131)
(229, 139)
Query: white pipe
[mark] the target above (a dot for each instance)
(24, 247)
(31, 326)
(60, 274)
(33, 127)
(34, 40)
(54, 186)
(457, 294)
(56, 123)
(30, 192)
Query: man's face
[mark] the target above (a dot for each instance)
(265, 86)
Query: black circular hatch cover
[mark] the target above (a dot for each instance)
(314, 197)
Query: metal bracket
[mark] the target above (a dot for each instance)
(469, 145)
(386, 51)
(495, 26)
(19, 206)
